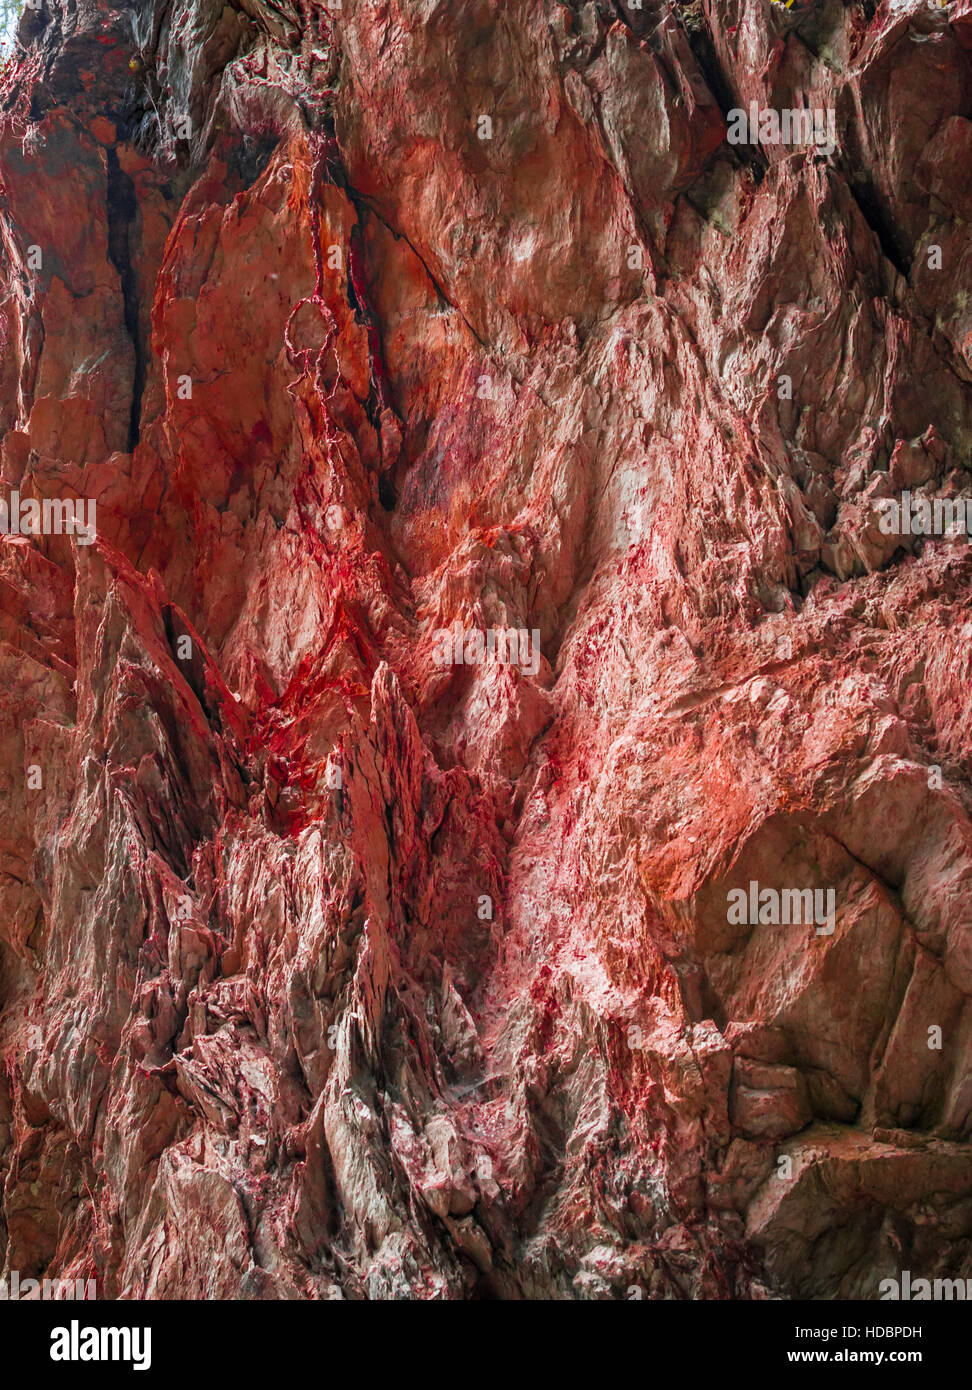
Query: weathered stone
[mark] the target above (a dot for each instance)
(332, 969)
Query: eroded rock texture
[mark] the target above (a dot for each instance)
(330, 970)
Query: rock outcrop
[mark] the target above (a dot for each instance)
(490, 584)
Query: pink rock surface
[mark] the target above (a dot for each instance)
(328, 969)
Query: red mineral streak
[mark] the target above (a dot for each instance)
(325, 969)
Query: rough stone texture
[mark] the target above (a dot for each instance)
(260, 1037)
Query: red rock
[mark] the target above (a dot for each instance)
(330, 971)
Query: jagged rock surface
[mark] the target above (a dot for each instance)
(261, 1037)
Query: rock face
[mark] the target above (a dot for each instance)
(332, 965)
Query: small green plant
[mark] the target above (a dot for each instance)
(692, 15)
